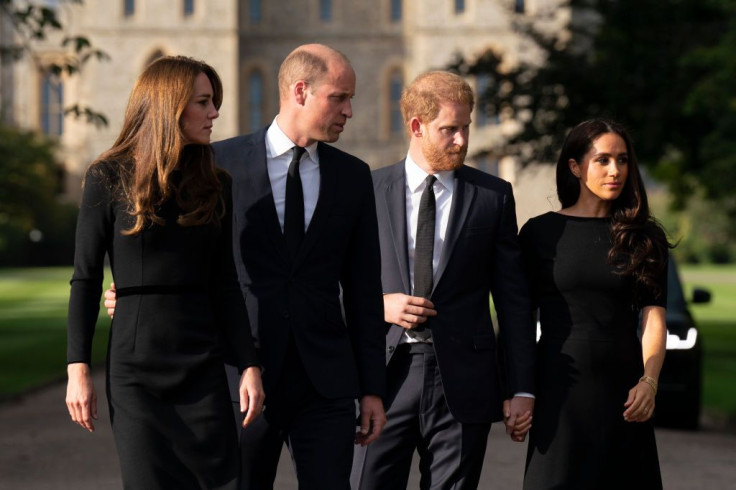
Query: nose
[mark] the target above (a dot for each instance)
(347, 109)
(214, 113)
(614, 169)
(461, 138)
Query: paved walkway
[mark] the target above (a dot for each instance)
(41, 449)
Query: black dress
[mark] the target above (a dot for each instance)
(588, 358)
(178, 297)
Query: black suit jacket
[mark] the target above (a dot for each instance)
(480, 256)
(342, 351)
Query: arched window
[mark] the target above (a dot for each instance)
(188, 7)
(255, 100)
(519, 6)
(483, 83)
(459, 6)
(52, 105)
(395, 85)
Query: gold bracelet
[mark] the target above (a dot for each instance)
(651, 382)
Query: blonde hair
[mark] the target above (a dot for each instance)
(422, 97)
(151, 146)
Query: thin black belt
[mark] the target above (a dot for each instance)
(160, 289)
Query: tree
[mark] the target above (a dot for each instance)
(33, 22)
(35, 229)
(663, 68)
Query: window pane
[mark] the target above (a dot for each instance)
(129, 7)
(254, 11)
(52, 106)
(255, 100)
(188, 7)
(325, 9)
(396, 120)
(459, 6)
(519, 6)
(395, 10)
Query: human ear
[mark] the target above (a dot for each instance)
(416, 127)
(300, 91)
(574, 169)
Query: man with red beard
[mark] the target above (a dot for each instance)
(448, 240)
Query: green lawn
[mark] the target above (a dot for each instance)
(33, 305)
(717, 322)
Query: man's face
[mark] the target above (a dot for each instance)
(445, 139)
(328, 103)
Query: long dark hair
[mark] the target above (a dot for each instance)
(639, 245)
(151, 146)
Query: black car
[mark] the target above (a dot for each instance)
(678, 399)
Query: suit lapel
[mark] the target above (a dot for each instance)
(463, 196)
(395, 197)
(260, 192)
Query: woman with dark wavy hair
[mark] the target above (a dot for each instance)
(595, 267)
(158, 207)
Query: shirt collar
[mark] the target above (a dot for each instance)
(277, 143)
(415, 176)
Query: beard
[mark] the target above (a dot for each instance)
(442, 159)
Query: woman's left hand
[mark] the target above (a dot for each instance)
(640, 404)
(251, 394)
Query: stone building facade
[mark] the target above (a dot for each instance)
(388, 41)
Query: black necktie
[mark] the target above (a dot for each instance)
(424, 245)
(424, 250)
(294, 207)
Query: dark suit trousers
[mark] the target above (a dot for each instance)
(451, 453)
(318, 431)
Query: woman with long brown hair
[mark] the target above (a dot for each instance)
(595, 267)
(158, 207)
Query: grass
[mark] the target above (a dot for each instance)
(33, 307)
(717, 323)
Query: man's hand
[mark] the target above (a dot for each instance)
(517, 415)
(110, 300)
(81, 397)
(251, 394)
(372, 420)
(407, 311)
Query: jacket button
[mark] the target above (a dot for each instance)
(391, 349)
(285, 313)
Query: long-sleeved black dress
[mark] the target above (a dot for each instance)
(588, 358)
(178, 304)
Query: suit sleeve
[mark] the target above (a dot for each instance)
(362, 295)
(510, 291)
(229, 305)
(92, 241)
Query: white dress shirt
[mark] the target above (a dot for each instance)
(279, 152)
(443, 191)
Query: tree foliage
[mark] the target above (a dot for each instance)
(664, 68)
(35, 229)
(33, 22)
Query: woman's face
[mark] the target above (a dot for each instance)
(604, 168)
(199, 114)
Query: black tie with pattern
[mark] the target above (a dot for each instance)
(294, 207)
(424, 245)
